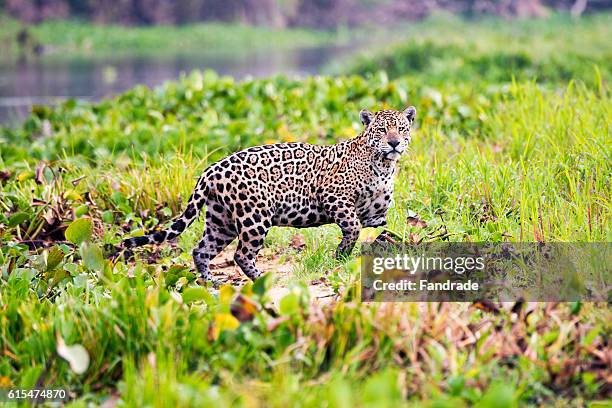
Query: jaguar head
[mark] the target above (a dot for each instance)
(388, 131)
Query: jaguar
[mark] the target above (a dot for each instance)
(297, 185)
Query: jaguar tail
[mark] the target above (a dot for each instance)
(194, 205)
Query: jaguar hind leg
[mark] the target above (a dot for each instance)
(251, 240)
(213, 242)
(218, 234)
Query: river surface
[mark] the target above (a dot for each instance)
(49, 81)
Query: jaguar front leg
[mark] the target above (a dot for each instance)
(375, 221)
(350, 232)
(346, 218)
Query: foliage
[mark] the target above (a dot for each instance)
(194, 349)
(558, 49)
(489, 162)
(508, 162)
(64, 38)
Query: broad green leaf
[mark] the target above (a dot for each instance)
(262, 284)
(191, 295)
(290, 304)
(455, 384)
(58, 275)
(92, 257)
(107, 217)
(575, 307)
(81, 210)
(176, 272)
(382, 389)
(499, 395)
(590, 336)
(73, 195)
(247, 289)
(80, 230)
(17, 218)
(54, 258)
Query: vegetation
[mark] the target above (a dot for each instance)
(490, 161)
(553, 50)
(79, 39)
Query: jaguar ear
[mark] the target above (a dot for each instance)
(410, 113)
(366, 117)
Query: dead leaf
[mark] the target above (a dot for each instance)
(49, 216)
(298, 242)
(414, 239)
(224, 264)
(274, 323)
(77, 180)
(415, 221)
(243, 308)
(40, 173)
(388, 236)
(486, 306)
(321, 281)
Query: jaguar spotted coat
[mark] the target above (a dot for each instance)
(294, 184)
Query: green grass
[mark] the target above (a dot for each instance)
(73, 38)
(520, 163)
(493, 161)
(445, 48)
(490, 161)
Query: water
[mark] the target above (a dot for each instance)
(36, 82)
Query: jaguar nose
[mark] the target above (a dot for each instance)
(393, 143)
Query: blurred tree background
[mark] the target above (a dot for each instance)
(282, 13)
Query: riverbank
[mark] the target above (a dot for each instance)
(556, 50)
(82, 39)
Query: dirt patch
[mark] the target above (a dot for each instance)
(320, 293)
(224, 270)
